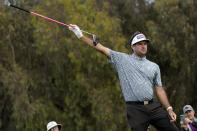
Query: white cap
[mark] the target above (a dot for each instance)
(53, 124)
(187, 108)
(138, 38)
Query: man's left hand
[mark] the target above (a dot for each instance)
(172, 115)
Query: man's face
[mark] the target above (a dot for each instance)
(140, 48)
(190, 114)
(55, 128)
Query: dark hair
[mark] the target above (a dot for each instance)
(128, 45)
(136, 33)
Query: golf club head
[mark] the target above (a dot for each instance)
(7, 3)
(95, 39)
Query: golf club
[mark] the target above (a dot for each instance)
(95, 38)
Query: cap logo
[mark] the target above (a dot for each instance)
(140, 36)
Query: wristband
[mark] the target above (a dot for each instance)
(170, 107)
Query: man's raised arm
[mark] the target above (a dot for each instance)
(104, 50)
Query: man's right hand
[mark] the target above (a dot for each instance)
(76, 30)
(104, 50)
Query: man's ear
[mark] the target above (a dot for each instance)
(132, 47)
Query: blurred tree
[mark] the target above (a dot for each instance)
(47, 74)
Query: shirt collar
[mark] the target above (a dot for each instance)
(138, 58)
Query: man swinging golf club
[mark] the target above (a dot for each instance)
(139, 78)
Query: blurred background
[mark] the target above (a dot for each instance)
(47, 74)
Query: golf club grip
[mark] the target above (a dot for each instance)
(20, 8)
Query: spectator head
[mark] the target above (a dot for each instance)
(53, 126)
(189, 111)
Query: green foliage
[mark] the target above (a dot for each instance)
(47, 74)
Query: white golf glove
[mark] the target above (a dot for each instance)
(76, 30)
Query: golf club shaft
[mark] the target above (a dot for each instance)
(20, 8)
(50, 19)
(47, 18)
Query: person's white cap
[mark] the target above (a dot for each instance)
(53, 124)
(187, 108)
(138, 38)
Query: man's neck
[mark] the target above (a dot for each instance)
(140, 56)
